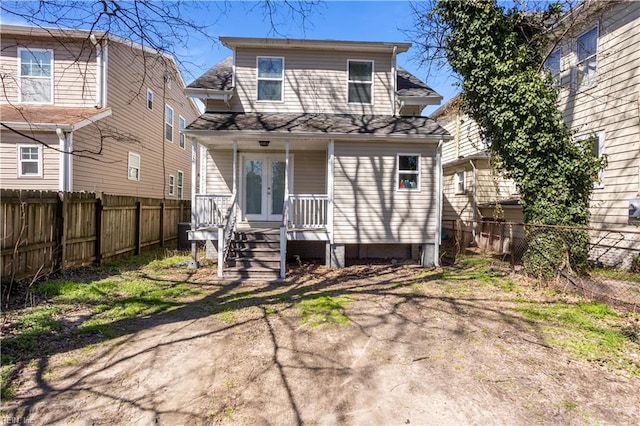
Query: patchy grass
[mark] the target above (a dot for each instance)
(324, 310)
(590, 330)
(100, 297)
(616, 274)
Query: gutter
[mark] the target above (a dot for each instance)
(239, 134)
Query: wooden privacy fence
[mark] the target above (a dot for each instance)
(44, 231)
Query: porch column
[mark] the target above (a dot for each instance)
(329, 251)
(286, 173)
(193, 264)
(235, 169)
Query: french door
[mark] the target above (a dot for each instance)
(263, 186)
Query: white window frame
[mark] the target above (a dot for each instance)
(150, 99)
(180, 185)
(590, 83)
(258, 79)
(19, 148)
(600, 140)
(20, 76)
(129, 166)
(349, 82)
(460, 182)
(181, 125)
(172, 184)
(418, 172)
(168, 122)
(555, 74)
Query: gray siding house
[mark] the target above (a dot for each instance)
(315, 148)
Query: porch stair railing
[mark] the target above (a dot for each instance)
(231, 219)
(212, 209)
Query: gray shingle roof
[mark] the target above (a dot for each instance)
(320, 124)
(410, 85)
(220, 77)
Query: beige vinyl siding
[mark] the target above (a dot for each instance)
(219, 171)
(367, 206)
(467, 138)
(132, 127)
(611, 105)
(310, 172)
(315, 81)
(456, 206)
(9, 162)
(74, 70)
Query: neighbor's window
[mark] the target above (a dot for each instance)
(180, 181)
(36, 75)
(552, 63)
(168, 123)
(150, 99)
(587, 46)
(270, 78)
(408, 171)
(360, 75)
(459, 182)
(172, 183)
(29, 161)
(181, 124)
(134, 166)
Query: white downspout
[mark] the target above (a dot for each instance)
(436, 251)
(394, 76)
(64, 168)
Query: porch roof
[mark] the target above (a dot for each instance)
(319, 125)
(50, 117)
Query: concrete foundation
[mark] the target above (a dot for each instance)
(428, 255)
(211, 249)
(335, 255)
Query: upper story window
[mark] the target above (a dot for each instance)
(409, 172)
(270, 78)
(552, 63)
(36, 75)
(150, 99)
(360, 77)
(181, 125)
(168, 123)
(587, 55)
(29, 161)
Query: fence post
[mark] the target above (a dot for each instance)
(98, 229)
(60, 250)
(162, 224)
(138, 229)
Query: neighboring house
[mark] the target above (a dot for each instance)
(118, 107)
(320, 145)
(597, 68)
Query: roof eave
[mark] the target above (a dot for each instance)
(203, 93)
(460, 160)
(233, 42)
(421, 100)
(239, 134)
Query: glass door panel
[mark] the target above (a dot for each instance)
(253, 184)
(276, 201)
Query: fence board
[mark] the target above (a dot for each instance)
(43, 231)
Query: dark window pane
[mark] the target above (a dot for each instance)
(360, 93)
(269, 90)
(269, 68)
(587, 44)
(408, 162)
(360, 71)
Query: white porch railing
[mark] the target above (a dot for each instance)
(308, 211)
(212, 209)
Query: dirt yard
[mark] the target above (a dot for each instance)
(376, 345)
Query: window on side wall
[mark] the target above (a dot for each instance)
(360, 82)
(172, 184)
(133, 167)
(270, 78)
(552, 64)
(29, 161)
(459, 182)
(36, 76)
(168, 123)
(180, 184)
(408, 172)
(150, 99)
(587, 56)
(598, 151)
(181, 125)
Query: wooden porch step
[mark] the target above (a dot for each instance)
(252, 262)
(254, 273)
(254, 254)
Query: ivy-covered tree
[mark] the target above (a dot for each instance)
(499, 53)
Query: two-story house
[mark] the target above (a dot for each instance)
(320, 146)
(596, 65)
(85, 111)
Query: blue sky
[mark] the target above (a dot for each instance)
(332, 20)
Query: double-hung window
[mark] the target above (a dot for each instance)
(459, 182)
(408, 172)
(29, 161)
(360, 82)
(552, 63)
(168, 123)
(150, 99)
(172, 184)
(36, 75)
(181, 124)
(270, 78)
(133, 167)
(587, 55)
(180, 183)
